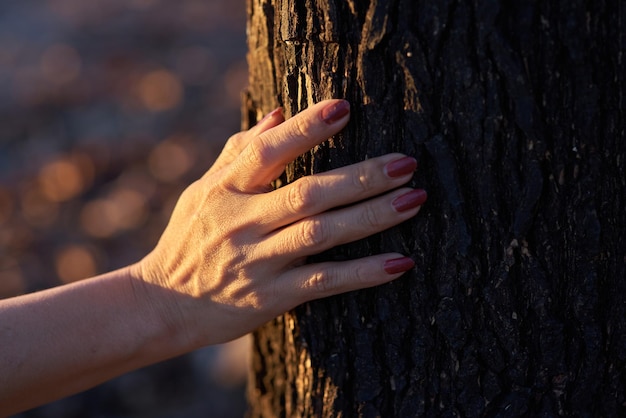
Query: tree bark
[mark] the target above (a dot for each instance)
(516, 113)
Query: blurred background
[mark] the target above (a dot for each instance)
(108, 109)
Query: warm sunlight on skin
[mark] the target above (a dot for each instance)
(231, 258)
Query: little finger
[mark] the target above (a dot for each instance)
(314, 281)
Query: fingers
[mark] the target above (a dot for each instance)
(272, 119)
(314, 281)
(315, 194)
(238, 142)
(266, 156)
(318, 233)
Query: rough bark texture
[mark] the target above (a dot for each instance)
(515, 110)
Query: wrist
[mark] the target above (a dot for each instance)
(162, 315)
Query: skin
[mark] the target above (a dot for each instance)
(231, 258)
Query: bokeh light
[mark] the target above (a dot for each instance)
(171, 159)
(160, 90)
(66, 177)
(75, 262)
(122, 210)
(109, 109)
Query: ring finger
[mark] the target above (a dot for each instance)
(318, 233)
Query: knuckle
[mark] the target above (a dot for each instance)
(323, 282)
(361, 274)
(331, 280)
(302, 126)
(237, 140)
(370, 217)
(301, 195)
(313, 233)
(259, 154)
(360, 180)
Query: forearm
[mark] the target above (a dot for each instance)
(64, 340)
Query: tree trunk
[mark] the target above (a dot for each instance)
(516, 114)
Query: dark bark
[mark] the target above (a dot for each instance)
(516, 114)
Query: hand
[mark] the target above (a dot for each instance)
(233, 254)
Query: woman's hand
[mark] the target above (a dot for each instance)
(232, 256)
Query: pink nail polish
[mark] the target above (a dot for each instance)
(271, 115)
(398, 265)
(336, 111)
(409, 200)
(401, 167)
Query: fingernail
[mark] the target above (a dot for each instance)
(398, 265)
(401, 167)
(335, 111)
(270, 115)
(409, 200)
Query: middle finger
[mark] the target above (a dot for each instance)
(318, 193)
(321, 232)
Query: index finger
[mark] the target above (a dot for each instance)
(264, 159)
